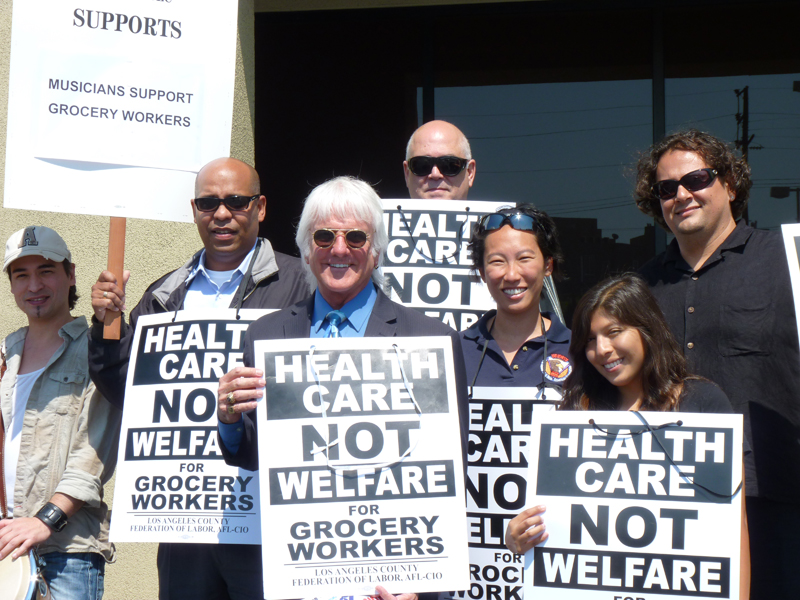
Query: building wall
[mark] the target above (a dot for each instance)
(298, 5)
(152, 248)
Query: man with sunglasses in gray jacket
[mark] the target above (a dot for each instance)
(235, 269)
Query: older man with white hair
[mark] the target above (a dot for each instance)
(342, 240)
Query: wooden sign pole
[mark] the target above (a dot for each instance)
(116, 262)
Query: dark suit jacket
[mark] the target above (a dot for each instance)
(388, 319)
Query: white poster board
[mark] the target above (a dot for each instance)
(119, 104)
(427, 264)
(623, 519)
(172, 484)
(791, 240)
(499, 434)
(361, 472)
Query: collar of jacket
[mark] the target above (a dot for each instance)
(382, 321)
(72, 330)
(266, 266)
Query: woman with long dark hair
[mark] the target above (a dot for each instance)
(625, 358)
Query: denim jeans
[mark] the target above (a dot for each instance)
(74, 576)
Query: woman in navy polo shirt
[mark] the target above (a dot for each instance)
(516, 358)
(517, 345)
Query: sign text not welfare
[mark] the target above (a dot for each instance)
(638, 510)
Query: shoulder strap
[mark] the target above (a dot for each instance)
(246, 279)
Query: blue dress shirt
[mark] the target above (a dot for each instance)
(204, 292)
(357, 310)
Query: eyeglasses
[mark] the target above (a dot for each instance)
(354, 238)
(449, 166)
(519, 221)
(692, 182)
(210, 204)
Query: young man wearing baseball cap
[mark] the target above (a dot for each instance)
(60, 443)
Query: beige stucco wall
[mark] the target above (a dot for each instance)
(152, 248)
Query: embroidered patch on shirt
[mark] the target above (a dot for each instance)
(556, 368)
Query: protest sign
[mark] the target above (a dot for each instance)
(791, 240)
(172, 484)
(361, 472)
(632, 512)
(497, 453)
(427, 263)
(111, 100)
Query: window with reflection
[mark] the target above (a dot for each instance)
(568, 148)
(555, 97)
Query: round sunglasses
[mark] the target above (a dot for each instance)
(692, 182)
(449, 166)
(238, 203)
(354, 238)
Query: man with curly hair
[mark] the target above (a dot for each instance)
(725, 290)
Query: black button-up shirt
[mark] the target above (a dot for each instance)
(735, 319)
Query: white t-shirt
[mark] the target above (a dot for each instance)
(19, 400)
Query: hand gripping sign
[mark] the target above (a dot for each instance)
(639, 505)
(361, 471)
(499, 435)
(172, 484)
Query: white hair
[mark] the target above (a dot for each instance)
(343, 198)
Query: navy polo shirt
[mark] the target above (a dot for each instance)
(529, 368)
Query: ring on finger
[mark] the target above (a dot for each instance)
(230, 410)
(229, 397)
(105, 294)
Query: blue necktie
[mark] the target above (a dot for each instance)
(335, 318)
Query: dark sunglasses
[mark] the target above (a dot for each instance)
(209, 204)
(692, 182)
(354, 238)
(519, 221)
(449, 166)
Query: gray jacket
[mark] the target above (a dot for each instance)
(277, 281)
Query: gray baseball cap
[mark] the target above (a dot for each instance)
(36, 241)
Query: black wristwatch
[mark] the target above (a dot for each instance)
(52, 516)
